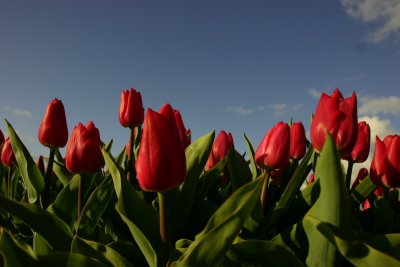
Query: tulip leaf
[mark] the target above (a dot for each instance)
(239, 171)
(40, 245)
(31, 175)
(179, 201)
(332, 206)
(102, 253)
(223, 227)
(359, 252)
(63, 259)
(293, 238)
(52, 228)
(254, 169)
(15, 253)
(363, 190)
(95, 206)
(62, 173)
(209, 179)
(129, 251)
(138, 215)
(261, 253)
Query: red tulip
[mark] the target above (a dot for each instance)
(385, 165)
(53, 130)
(360, 150)
(161, 162)
(297, 141)
(311, 179)
(362, 173)
(220, 148)
(181, 129)
(337, 116)
(273, 151)
(83, 154)
(131, 112)
(7, 154)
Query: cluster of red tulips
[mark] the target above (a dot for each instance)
(157, 161)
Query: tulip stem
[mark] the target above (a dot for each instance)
(9, 173)
(80, 201)
(348, 174)
(163, 227)
(131, 157)
(47, 179)
(264, 193)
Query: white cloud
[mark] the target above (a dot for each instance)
(314, 93)
(384, 105)
(241, 110)
(384, 12)
(18, 112)
(277, 109)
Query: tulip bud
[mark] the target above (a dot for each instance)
(362, 173)
(361, 148)
(385, 165)
(161, 162)
(311, 179)
(297, 141)
(181, 129)
(131, 112)
(83, 153)
(338, 117)
(7, 154)
(53, 130)
(273, 151)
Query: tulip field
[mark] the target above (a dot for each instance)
(167, 200)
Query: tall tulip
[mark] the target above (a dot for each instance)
(360, 150)
(297, 141)
(337, 116)
(53, 130)
(161, 162)
(131, 111)
(83, 154)
(385, 165)
(7, 154)
(273, 151)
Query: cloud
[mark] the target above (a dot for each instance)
(240, 110)
(384, 105)
(314, 93)
(18, 112)
(277, 109)
(384, 12)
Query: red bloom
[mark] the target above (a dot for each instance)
(161, 162)
(131, 112)
(337, 116)
(362, 173)
(220, 148)
(7, 154)
(273, 151)
(361, 148)
(181, 129)
(385, 165)
(53, 130)
(83, 154)
(297, 141)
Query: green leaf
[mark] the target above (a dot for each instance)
(129, 251)
(62, 259)
(31, 174)
(223, 227)
(239, 171)
(332, 206)
(40, 245)
(261, 253)
(254, 169)
(209, 179)
(138, 215)
(15, 253)
(95, 206)
(52, 228)
(102, 253)
(363, 190)
(358, 252)
(62, 173)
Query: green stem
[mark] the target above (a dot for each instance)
(163, 229)
(80, 200)
(9, 172)
(131, 158)
(264, 193)
(47, 179)
(348, 174)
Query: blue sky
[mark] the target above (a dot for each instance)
(235, 65)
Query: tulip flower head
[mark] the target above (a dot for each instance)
(385, 165)
(53, 130)
(338, 117)
(297, 141)
(7, 154)
(83, 153)
(220, 148)
(131, 111)
(362, 173)
(181, 129)
(161, 162)
(273, 151)
(360, 150)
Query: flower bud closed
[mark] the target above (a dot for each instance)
(131, 112)
(53, 130)
(181, 129)
(161, 162)
(360, 150)
(297, 141)
(273, 151)
(83, 154)
(338, 117)
(7, 154)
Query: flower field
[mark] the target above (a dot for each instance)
(167, 200)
